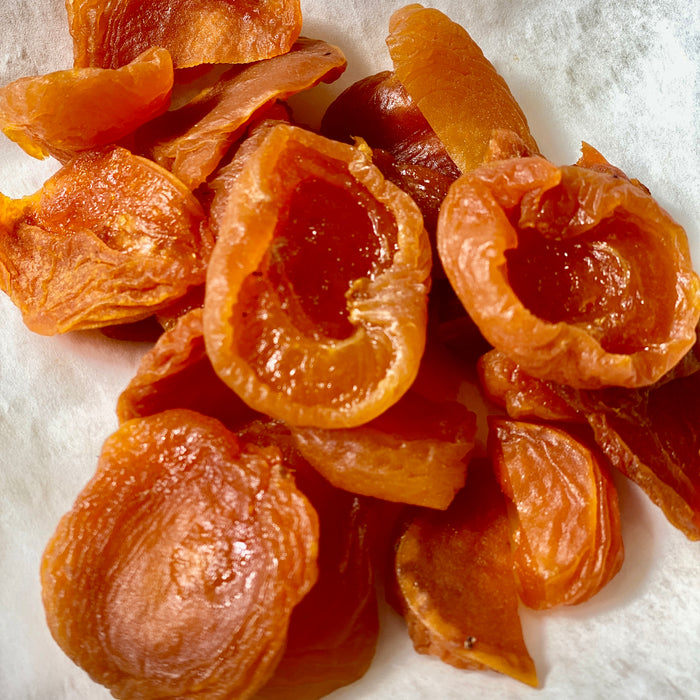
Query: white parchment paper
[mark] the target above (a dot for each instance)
(622, 76)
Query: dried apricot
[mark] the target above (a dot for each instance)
(177, 569)
(455, 584)
(415, 452)
(577, 275)
(652, 436)
(453, 84)
(110, 34)
(76, 110)
(110, 238)
(379, 110)
(176, 373)
(191, 141)
(566, 532)
(316, 301)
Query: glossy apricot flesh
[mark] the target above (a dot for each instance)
(577, 275)
(110, 238)
(109, 34)
(568, 543)
(75, 110)
(453, 84)
(176, 571)
(316, 302)
(454, 573)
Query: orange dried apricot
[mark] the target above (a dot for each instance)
(455, 584)
(110, 34)
(579, 276)
(192, 140)
(176, 571)
(453, 84)
(379, 110)
(110, 238)
(176, 373)
(76, 110)
(566, 530)
(652, 436)
(415, 452)
(316, 301)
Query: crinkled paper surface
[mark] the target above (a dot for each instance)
(622, 76)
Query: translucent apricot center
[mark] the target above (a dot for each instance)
(332, 236)
(602, 280)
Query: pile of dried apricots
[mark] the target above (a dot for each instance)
(297, 429)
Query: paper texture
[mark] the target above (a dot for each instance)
(622, 76)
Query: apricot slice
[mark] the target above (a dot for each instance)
(176, 373)
(568, 543)
(651, 435)
(110, 34)
(192, 140)
(176, 570)
(76, 110)
(577, 275)
(110, 238)
(333, 631)
(455, 584)
(415, 452)
(453, 84)
(379, 110)
(316, 302)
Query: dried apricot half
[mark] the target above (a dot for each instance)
(109, 34)
(453, 84)
(578, 275)
(455, 584)
(566, 531)
(176, 571)
(110, 238)
(76, 110)
(316, 302)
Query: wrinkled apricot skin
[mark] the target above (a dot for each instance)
(452, 83)
(176, 373)
(651, 435)
(176, 571)
(316, 304)
(415, 452)
(568, 543)
(191, 141)
(110, 33)
(455, 584)
(65, 112)
(110, 238)
(577, 275)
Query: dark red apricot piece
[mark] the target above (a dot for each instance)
(379, 110)
(192, 140)
(566, 530)
(109, 34)
(579, 276)
(453, 84)
(110, 238)
(176, 373)
(416, 452)
(455, 583)
(333, 631)
(316, 301)
(177, 569)
(75, 110)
